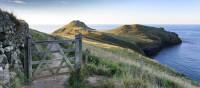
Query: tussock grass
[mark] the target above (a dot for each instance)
(124, 68)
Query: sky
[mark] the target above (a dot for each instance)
(105, 11)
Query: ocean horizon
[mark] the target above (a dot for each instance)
(49, 28)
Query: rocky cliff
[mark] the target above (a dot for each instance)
(12, 35)
(150, 39)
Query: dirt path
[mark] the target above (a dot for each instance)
(51, 82)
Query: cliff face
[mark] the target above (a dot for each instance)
(166, 40)
(150, 39)
(12, 35)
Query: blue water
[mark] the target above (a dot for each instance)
(184, 58)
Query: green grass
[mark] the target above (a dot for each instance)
(114, 40)
(124, 68)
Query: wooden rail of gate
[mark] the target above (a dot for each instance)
(28, 54)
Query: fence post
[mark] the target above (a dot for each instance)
(28, 59)
(87, 52)
(78, 51)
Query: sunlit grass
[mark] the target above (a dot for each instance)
(118, 56)
(132, 70)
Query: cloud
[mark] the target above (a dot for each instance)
(18, 1)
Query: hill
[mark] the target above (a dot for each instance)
(150, 39)
(94, 35)
(143, 39)
(112, 62)
(73, 27)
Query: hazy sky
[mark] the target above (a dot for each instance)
(105, 11)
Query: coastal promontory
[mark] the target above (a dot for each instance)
(144, 39)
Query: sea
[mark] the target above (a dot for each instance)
(184, 58)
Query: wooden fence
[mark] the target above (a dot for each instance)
(33, 67)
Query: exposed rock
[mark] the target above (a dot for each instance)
(1, 49)
(3, 59)
(150, 39)
(12, 35)
(9, 48)
(4, 75)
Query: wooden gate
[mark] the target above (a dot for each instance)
(40, 57)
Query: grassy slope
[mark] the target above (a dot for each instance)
(125, 68)
(97, 36)
(111, 39)
(121, 65)
(40, 36)
(40, 49)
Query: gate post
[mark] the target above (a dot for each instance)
(78, 51)
(28, 59)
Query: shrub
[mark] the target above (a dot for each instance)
(102, 66)
(76, 79)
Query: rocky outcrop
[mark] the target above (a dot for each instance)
(154, 47)
(150, 39)
(12, 35)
